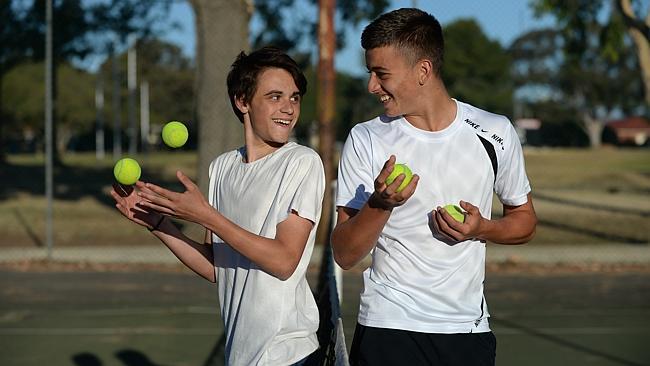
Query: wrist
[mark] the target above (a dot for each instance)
(158, 223)
(377, 203)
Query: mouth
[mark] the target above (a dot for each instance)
(282, 122)
(384, 98)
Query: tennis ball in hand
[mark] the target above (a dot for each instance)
(174, 134)
(456, 212)
(127, 171)
(397, 170)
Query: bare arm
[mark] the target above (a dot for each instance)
(357, 231)
(278, 256)
(196, 256)
(517, 226)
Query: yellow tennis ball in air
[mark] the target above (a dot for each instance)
(456, 212)
(127, 171)
(174, 134)
(397, 170)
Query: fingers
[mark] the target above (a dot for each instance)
(446, 225)
(187, 182)
(470, 208)
(385, 172)
(149, 205)
(151, 189)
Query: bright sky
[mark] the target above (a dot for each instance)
(502, 20)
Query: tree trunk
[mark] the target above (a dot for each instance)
(640, 38)
(3, 143)
(326, 108)
(221, 33)
(594, 128)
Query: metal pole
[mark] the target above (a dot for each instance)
(131, 83)
(117, 106)
(99, 108)
(144, 115)
(49, 238)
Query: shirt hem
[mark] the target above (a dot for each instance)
(440, 328)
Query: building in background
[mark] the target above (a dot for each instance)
(628, 131)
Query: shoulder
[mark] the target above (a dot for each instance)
(494, 128)
(300, 155)
(226, 158)
(379, 125)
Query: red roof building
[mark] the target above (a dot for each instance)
(631, 130)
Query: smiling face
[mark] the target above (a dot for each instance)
(273, 110)
(393, 79)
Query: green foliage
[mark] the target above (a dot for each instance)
(590, 63)
(476, 69)
(291, 24)
(170, 76)
(23, 95)
(353, 105)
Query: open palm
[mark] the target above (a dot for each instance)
(130, 205)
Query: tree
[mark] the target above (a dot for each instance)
(12, 51)
(639, 30)
(170, 76)
(221, 34)
(593, 71)
(71, 27)
(25, 102)
(476, 68)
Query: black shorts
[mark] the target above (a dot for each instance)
(385, 347)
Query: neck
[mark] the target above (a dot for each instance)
(256, 148)
(437, 110)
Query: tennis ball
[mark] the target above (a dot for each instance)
(174, 134)
(397, 170)
(456, 212)
(127, 171)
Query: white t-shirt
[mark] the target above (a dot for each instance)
(417, 282)
(267, 321)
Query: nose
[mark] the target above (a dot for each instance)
(287, 107)
(373, 84)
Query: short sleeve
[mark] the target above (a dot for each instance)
(355, 176)
(304, 188)
(512, 185)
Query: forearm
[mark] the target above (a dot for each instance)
(514, 228)
(196, 256)
(272, 255)
(355, 237)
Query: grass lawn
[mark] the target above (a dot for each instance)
(581, 196)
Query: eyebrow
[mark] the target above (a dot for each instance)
(271, 92)
(376, 68)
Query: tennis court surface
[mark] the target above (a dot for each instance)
(169, 316)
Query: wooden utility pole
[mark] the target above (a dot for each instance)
(326, 108)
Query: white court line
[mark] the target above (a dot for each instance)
(110, 312)
(107, 331)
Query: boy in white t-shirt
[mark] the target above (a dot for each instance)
(260, 217)
(422, 302)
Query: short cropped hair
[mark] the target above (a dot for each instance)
(416, 33)
(242, 78)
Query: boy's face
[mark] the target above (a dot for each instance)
(393, 79)
(275, 107)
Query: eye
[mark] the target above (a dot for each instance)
(295, 99)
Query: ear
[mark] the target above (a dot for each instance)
(424, 70)
(241, 104)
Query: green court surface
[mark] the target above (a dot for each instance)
(147, 318)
